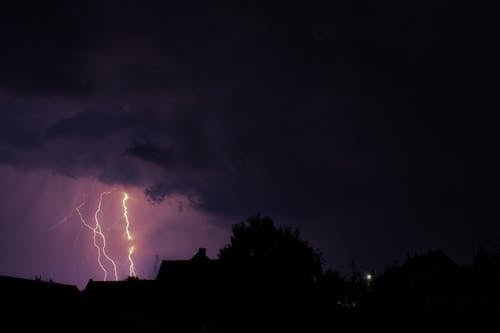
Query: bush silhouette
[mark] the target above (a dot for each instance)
(261, 251)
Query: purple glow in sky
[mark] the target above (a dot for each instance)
(45, 237)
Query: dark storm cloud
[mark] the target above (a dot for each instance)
(17, 127)
(338, 116)
(41, 47)
(93, 124)
(150, 153)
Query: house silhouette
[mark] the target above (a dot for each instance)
(202, 295)
(36, 295)
(199, 271)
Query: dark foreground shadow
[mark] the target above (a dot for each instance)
(267, 280)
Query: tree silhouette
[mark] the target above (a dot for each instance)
(261, 251)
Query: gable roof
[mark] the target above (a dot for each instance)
(184, 271)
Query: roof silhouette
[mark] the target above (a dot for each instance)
(198, 269)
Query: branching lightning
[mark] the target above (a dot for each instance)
(99, 239)
(98, 231)
(129, 235)
(132, 265)
(125, 216)
(94, 231)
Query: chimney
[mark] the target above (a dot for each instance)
(201, 255)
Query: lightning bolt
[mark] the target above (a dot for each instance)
(96, 245)
(98, 232)
(67, 217)
(132, 266)
(131, 249)
(99, 239)
(125, 216)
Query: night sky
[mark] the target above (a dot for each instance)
(367, 124)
